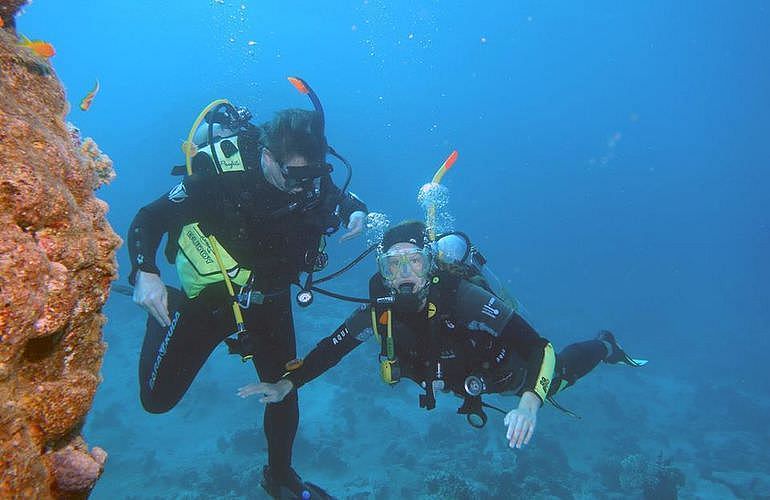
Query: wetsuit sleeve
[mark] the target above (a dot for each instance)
(480, 310)
(536, 351)
(170, 211)
(329, 351)
(348, 204)
(351, 203)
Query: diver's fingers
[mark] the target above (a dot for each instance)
(164, 306)
(251, 389)
(355, 227)
(349, 235)
(530, 432)
(157, 304)
(517, 431)
(512, 430)
(158, 314)
(510, 421)
(153, 311)
(526, 424)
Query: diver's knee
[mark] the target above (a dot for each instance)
(153, 404)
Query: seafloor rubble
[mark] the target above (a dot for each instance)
(57, 259)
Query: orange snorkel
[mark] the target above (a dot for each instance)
(437, 177)
(451, 159)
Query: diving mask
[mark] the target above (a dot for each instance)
(305, 173)
(402, 264)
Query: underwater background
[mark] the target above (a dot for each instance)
(614, 168)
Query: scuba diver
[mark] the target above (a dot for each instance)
(251, 214)
(441, 324)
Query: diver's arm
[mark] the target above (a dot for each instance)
(536, 351)
(170, 211)
(144, 237)
(351, 211)
(325, 355)
(521, 422)
(519, 337)
(350, 204)
(348, 201)
(480, 310)
(329, 352)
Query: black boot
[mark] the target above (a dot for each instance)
(287, 485)
(615, 353)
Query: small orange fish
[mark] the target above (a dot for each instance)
(2, 23)
(39, 47)
(86, 102)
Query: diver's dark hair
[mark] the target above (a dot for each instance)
(295, 132)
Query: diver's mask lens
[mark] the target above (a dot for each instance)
(405, 264)
(305, 173)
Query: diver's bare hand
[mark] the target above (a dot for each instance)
(355, 225)
(271, 393)
(151, 295)
(521, 422)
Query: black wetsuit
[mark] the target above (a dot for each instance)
(251, 220)
(471, 333)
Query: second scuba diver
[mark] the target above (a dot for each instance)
(440, 324)
(250, 215)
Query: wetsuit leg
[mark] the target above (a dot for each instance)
(275, 344)
(575, 361)
(171, 357)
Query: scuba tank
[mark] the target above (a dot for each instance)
(455, 249)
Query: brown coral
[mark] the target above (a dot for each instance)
(57, 260)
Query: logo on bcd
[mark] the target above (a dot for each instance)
(490, 311)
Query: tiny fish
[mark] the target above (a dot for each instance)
(86, 102)
(39, 47)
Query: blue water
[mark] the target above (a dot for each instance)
(614, 167)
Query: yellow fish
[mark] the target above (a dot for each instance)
(39, 47)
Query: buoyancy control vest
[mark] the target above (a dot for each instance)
(442, 355)
(195, 258)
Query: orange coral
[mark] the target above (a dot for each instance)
(57, 260)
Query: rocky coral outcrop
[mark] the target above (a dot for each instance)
(57, 260)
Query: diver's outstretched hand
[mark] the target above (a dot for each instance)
(355, 225)
(521, 422)
(271, 393)
(151, 295)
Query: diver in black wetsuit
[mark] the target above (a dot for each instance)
(445, 332)
(250, 216)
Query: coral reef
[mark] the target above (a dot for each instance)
(656, 478)
(57, 260)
